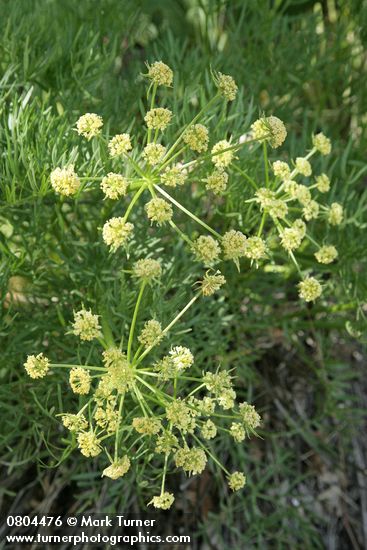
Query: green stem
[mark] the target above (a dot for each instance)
(194, 120)
(162, 166)
(133, 323)
(232, 148)
(139, 398)
(247, 177)
(266, 166)
(133, 201)
(118, 424)
(181, 233)
(190, 214)
(135, 166)
(164, 473)
(152, 101)
(59, 365)
(168, 327)
(262, 223)
(211, 455)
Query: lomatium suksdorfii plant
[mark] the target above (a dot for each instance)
(139, 406)
(132, 406)
(146, 169)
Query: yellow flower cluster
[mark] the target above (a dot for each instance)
(310, 289)
(65, 181)
(217, 181)
(114, 186)
(271, 129)
(158, 119)
(326, 254)
(159, 211)
(37, 366)
(86, 325)
(222, 155)
(160, 73)
(118, 468)
(80, 380)
(119, 145)
(226, 86)
(151, 334)
(153, 153)
(116, 233)
(89, 125)
(173, 176)
(197, 138)
(321, 143)
(206, 250)
(147, 269)
(163, 501)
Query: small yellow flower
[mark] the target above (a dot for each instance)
(159, 211)
(302, 194)
(321, 143)
(326, 254)
(173, 176)
(278, 209)
(291, 238)
(211, 283)
(236, 481)
(158, 119)
(311, 210)
(303, 166)
(116, 233)
(86, 325)
(217, 181)
(237, 432)
(119, 145)
(88, 444)
(163, 501)
(118, 468)
(250, 417)
(147, 426)
(151, 333)
(323, 183)
(335, 214)
(281, 170)
(309, 289)
(37, 366)
(114, 185)
(226, 86)
(270, 128)
(160, 73)
(80, 380)
(89, 125)
(197, 138)
(179, 414)
(216, 382)
(153, 153)
(74, 422)
(226, 398)
(234, 245)
(147, 269)
(255, 248)
(191, 460)
(208, 430)
(221, 160)
(206, 249)
(181, 358)
(65, 181)
(166, 443)
(265, 197)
